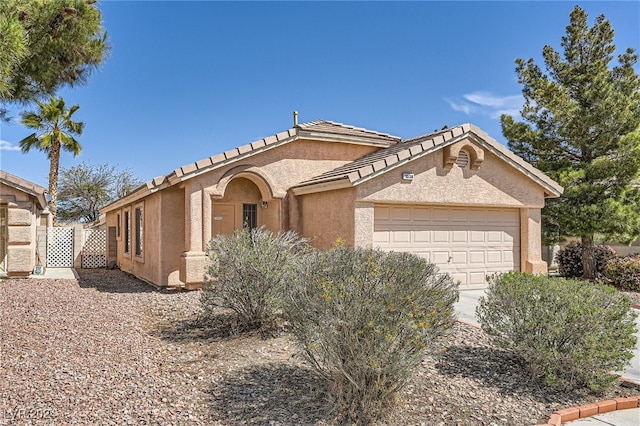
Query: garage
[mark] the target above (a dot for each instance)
(468, 243)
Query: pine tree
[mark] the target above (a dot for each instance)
(45, 45)
(582, 127)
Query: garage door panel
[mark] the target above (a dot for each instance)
(494, 236)
(459, 236)
(421, 214)
(401, 214)
(440, 257)
(508, 256)
(381, 237)
(401, 236)
(476, 236)
(440, 236)
(421, 236)
(476, 257)
(469, 244)
(459, 258)
(509, 237)
(440, 215)
(459, 215)
(477, 278)
(494, 256)
(382, 213)
(458, 276)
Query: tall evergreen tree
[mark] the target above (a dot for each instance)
(45, 45)
(582, 127)
(53, 121)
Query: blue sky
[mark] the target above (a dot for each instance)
(187, 80)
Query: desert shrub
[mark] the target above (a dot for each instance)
(569, 333)
(624, 272)
(364, 319)
(569, 259)
(247, 274)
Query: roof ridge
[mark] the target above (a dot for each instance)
(17, 180)
(347, 126)
(435, 133)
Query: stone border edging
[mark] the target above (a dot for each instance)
(587, 410)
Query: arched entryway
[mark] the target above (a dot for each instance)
(246, 201)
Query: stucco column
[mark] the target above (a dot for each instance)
(20, 250)
(193, 260)
(363, 224)
(531, 242)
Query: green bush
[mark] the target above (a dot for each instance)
(364, 319)
(569, 333)
(248, 272)
(569, 259)
(624, 273)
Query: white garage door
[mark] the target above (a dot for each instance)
(468, 243)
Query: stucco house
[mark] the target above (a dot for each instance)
(456, 197)
(23, 208)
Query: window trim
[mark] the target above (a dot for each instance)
(118, 226)
(126, 247)
(250, 209)
(138, 232)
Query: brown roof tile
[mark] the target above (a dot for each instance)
(325, 126)
(392, 155)
(410, 149)
(25, 186)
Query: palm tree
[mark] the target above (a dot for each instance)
(56, 128)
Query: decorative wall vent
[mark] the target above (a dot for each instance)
(464, 154)
(463, 159)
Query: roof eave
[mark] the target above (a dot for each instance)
(552, 189)
(343, 138)
(37, 194)
(331, 185)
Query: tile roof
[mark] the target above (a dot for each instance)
(322, 130)
(389, 158)
(25, 186)
(318, 129)
(380, 160)
(344, 129)
(393, 153)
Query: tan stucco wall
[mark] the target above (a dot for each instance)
(23, 217)
(327, 217)
(495, 184)
(273, 172)
(175, 254)
(163, 237)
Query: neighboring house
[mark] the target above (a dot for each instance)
(23, 208)
(455, 197)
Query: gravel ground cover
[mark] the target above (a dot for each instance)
(110, 350)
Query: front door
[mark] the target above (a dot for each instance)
(224, 219)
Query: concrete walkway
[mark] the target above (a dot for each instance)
(57, 274)
(466, 310)
(629, 417)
